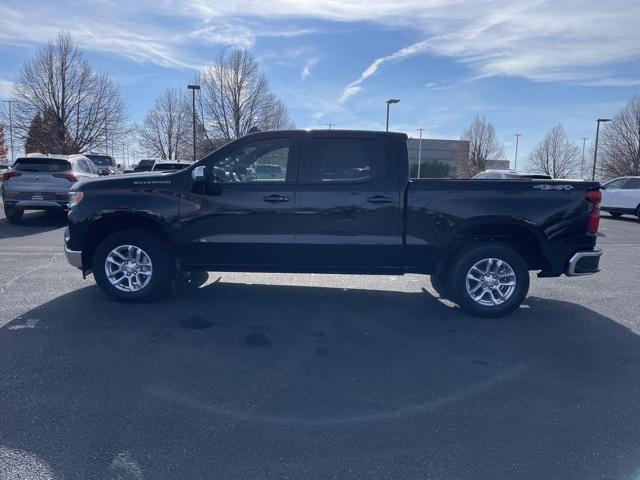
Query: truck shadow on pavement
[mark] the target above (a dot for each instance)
(270, 381)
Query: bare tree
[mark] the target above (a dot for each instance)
(86, 108)
(483, 146)
(236, 98)
(619, 149)
(555, 155)
(165, 132)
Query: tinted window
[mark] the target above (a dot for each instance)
(632, 184)
(344, 159)
(83, 166)
(165, 167)
(265, 161)
(618, 183)
(42, 165)
(102, 160)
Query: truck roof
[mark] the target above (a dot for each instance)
(330, 132)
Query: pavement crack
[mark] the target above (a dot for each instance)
(53, 259)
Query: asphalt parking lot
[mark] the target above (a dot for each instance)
(311, 376)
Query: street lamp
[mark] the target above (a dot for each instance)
(420, 151)
(595, 151)
(389, 102)
(193, 89)
(9, 102)
(515, 165)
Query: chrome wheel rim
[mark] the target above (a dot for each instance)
(491, 282)
(128, 268)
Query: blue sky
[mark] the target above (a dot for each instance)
(525, 65)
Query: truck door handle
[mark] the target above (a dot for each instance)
(379, 199)
(275, 198)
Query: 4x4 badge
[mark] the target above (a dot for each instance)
(554, 187)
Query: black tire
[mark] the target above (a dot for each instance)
(615, 214)
(638, 212)
(462, 266)
(14, 215)
(158, 252)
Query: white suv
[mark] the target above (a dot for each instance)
(621, 195)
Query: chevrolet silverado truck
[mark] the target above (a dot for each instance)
(332, 202)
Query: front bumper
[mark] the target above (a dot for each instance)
(584, 263)
(74, 257)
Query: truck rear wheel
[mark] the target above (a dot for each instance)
(133, 265)
(489, 281)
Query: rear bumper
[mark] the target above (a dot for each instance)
(584, 263)
(37, 204)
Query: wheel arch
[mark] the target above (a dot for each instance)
(522, 236)
(101, 227)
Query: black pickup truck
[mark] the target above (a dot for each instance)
(334, 202)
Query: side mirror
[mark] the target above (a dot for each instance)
(199, 174)
(118, 165)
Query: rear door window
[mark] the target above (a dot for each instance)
(83, 166)
(632, 184)
(41, 165)
(613, 184)
(344, 160)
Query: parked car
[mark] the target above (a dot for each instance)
(144, 166)
(622, 195)
(105, 163)
(344, 204)
(509, 174)
(169, 166)
(4, 166)
(42, 182)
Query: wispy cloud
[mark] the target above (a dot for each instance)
(308, 66)
(355, 86)
(542, 40)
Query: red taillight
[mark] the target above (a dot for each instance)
(594, 197)
(72, 177)
(11, 173)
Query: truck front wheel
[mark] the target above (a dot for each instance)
(489, 281)
(133, 265)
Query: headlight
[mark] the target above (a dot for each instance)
(75, 198)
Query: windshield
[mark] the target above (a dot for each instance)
(41, 165)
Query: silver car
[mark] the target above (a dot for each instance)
(42, 182)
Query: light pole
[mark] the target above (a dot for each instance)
(420, 151)
(515, 164)
(193, 89)
(584, 144)
(330, 125)
(10, 127)
(389, 102)
(595, 151)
